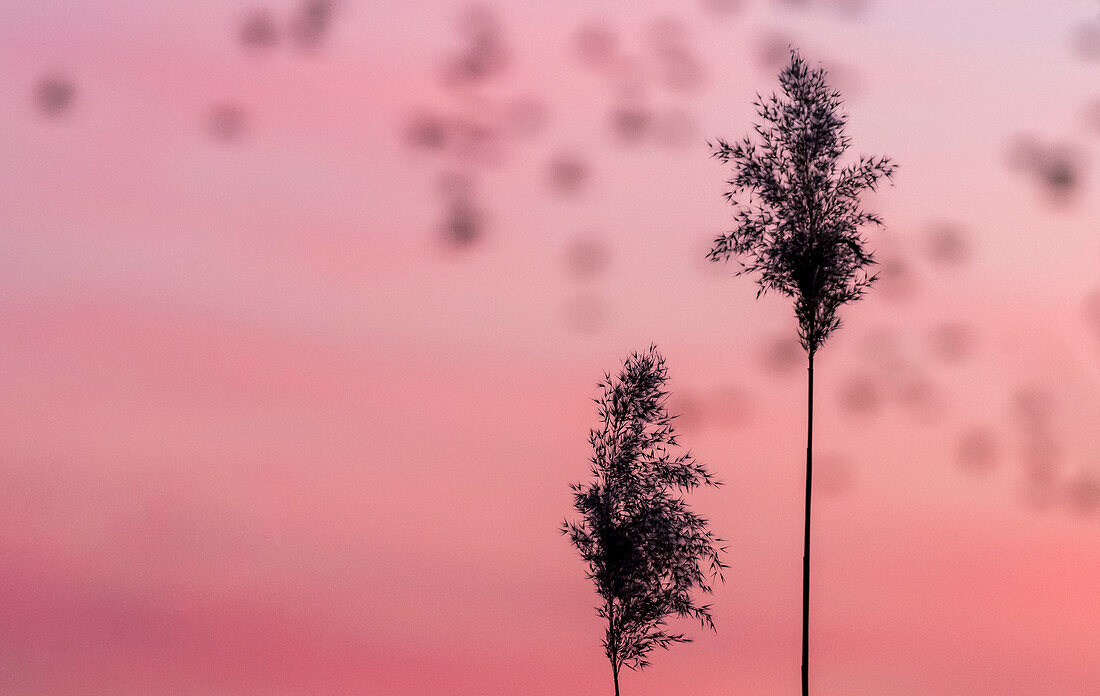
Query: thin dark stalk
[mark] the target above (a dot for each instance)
(806, 538)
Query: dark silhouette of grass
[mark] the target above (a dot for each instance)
(646, 551)
(798, 216)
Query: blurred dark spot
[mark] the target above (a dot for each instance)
(680, 71)
(586, 314)
(844, 78)
(226, 123)
(595, 45)
(947, 245)
(586, 258)
(674, 128)
(566, 174)
(952, 342)
(860, 394)
(684, 405)
(258, 30)
(794, 4)
(526, 116)
(921, 397)
(1084, 494)
(730, 407)
(427, 132)
(774, 51)
(1086, 40)
(1033, 405)
(976, 449)
(1055, 168)
(722, 8)
(1059, 173)
(464, 224)
(834, 475)
(896, 280)
(311, 22)
(782, 354)
(53, 95)
(630, 123)
(485, 54)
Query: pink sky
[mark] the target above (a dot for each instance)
(267, 432)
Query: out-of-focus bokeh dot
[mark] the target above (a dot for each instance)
(54, 95)
(311, 21)
(259, 29)
(947, 245)
(586, 258)
(226, 123)
(977, 449)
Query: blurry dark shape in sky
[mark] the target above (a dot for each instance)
(794, 4)
(566, 174)
(897, 282)
(846, 79)
(1083, 494)
(427, 132)
(920, 397)
(258, 30)
(729, 407)
(226, 123)
(1086, 40)
(311, 22)
(947, 245)
(1057, 169)
(525, 116)
(951, 342)
(722, 8)
(630, 123)
(977, 449)
(586, 313)
(1033, 405)
(834, 475)
(678, 69)
(474, 142)
(782, 354)
(685, 406)
(485, 54)
(586, 259)
(53, 95)
(675, 128)
(596, 45)
(773, 51)
(861, 394)
(465, 223)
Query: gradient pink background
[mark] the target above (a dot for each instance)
(266, 432)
